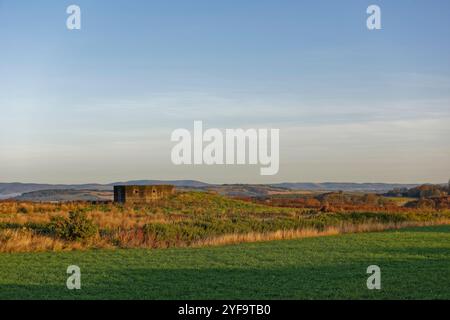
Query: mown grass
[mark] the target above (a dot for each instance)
(415, 264)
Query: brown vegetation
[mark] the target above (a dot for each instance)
(333, 202)
(199, 219)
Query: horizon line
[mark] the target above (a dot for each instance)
(212, 183)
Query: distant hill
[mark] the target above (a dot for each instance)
(99, 195)
(63, 192)
(246, 190)
(337, 186)
(177, 183)
(15, 189)
(65, 195)
(20, 188)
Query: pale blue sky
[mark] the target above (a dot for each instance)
(99, 104)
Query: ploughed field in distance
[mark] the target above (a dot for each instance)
(197, 219)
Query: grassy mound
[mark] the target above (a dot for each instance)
(184, 219)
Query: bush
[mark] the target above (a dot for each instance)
(207, 227)
(161, 232)
(22, 209)
(77, 227)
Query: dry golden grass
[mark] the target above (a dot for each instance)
(42, 213)
(24, 226)
(128, 220)
(309, 233)
(24, 240)
(28, 241)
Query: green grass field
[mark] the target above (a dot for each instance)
(415, 264)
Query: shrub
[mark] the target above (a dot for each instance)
(160, 231)
(75, 228)
(22, 209)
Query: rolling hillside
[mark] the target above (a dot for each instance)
(70, 191)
